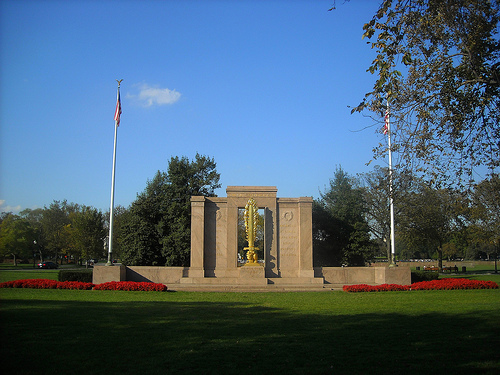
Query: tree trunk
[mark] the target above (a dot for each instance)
(440, 259)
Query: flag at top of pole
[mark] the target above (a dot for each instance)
(118, 110)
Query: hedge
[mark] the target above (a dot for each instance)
(84, 276)
(113, 285)
(442, 284)
(417, 276)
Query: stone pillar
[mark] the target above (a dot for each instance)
(197, 236)
(306, 246)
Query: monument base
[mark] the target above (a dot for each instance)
(252, 270)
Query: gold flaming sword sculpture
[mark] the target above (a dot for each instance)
(251, 217)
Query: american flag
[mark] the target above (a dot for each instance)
(118, 110)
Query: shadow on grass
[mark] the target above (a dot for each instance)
(67, 337)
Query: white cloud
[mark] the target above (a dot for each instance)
(149, 95)
(3, 208)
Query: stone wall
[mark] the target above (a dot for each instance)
(172, 276)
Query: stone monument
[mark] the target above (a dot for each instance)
(273, 234)
(287, 238)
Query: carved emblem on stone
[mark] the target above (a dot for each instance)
(287, 215)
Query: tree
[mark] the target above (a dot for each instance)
(118, 215)
(156, 229)
(486, 214)
(89, 232)
(340, 232)
(54, 222)
(377, 200)
(431, 219)
(438, 66)
(16, 237)
(34, 217)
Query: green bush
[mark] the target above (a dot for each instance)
(418, 276)
(84, 276)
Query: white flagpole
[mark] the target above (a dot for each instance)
(391, 199)
(111, 210)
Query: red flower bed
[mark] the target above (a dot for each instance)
(46, 284)
(113, 285)
(375, 288)
(131, 286)
(453, 283)
(442, 284)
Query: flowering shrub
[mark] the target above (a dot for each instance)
(46, 284)
(442, 284)
(113, 285)
(375, 288)
(131, 286)
(453, 283)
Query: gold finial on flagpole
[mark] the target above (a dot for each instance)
(119, 82)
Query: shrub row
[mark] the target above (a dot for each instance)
(85, 276)
(453, 283)
(46, 284)
(53, 284)
(417, 276)
(375, 288)
(131, 285)
(442, 284)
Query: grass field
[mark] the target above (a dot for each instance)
(112, 332)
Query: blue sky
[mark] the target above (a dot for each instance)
(263, 87)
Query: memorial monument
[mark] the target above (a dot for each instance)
(225, 255)
(287, 239)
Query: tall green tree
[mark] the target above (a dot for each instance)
(88, 233)
(340, 231)
(485, 229)
(156, 228)
(119, 214)
(34, 217)
(430, 220)
(55, 220)
(438, 65)
(16, 237)
(376, 196)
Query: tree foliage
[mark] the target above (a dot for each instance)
(432, 221)
(55, 221)
(89, 233)
(340, 231)
(156, 229)
(118, 215)
(438, 65)
(66, 231)
(16, 237)
(376, 196)
(485, 227)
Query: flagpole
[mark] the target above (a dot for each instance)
(391, 198)
(112, 207)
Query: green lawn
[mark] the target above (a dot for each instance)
(8, 272)
(110, 332)
(28, 274)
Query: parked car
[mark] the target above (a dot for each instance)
(48, 265)
(91, 262)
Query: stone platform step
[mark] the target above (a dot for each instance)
(281, 286)
(249, 288)
(296, 281)
(215, 281)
